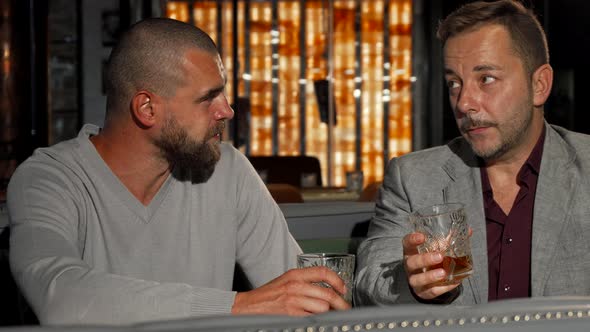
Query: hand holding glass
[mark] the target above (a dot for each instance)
(342, 264)
(446, 231)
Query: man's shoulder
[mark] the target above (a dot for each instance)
(65, 151)
(576, 140)
(578, 144)
(434, 156)
(60, 154)
(63, 160)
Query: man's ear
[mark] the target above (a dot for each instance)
(143, 108)
(542, 83)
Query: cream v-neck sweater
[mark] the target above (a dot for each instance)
(85, 250)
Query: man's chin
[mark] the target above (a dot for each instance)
(486, 152)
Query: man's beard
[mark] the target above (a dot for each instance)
(190, 158)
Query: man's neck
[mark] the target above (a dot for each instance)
(508, 165)
(503, 172)
(134, 161)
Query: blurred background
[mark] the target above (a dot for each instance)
(351, 83)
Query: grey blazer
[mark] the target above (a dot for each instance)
(560, 262)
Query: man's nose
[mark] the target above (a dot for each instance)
(467, 100)
(224, 111)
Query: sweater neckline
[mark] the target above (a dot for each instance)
(106, 178)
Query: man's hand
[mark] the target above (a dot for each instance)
(421, 276)
(294, 293)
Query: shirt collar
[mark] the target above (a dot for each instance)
(534, 160)
(533, 163)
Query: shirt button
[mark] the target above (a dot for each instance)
(508, 240)
(506, 288)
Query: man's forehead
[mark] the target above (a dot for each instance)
(484, 46)
(198, 54)
(203, 61)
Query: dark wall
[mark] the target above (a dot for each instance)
(568, 31)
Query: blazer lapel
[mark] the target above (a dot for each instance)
(552, 199)
(465, 186)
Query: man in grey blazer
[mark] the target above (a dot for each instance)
(524, 183)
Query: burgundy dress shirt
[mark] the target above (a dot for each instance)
(509, 236)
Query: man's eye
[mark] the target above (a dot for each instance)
(452, 84)
(488, 79)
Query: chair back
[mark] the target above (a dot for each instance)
(285, 193)
(298, 171)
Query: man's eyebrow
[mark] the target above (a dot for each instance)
(449, 71)
(211, 94)
(478, 68)
(486, 68)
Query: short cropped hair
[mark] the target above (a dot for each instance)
(148, 56)
(528, 38)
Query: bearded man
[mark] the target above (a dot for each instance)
(146, 218)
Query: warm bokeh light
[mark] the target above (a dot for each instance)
(370, 88)
(177, 10)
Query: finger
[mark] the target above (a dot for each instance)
(335, 300)
(411, 241)
(418, 263)
(317, 274)
(419, 281)
(305, 305)
(327, 295)
(339, 303)
(430, 293)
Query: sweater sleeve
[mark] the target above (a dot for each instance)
(46, 261)
(265, 248)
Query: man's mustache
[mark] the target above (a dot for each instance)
(217, 129)
(468, 123)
